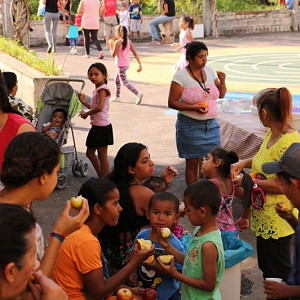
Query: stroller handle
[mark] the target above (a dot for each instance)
(67, 81)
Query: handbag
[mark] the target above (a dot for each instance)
(258, 195)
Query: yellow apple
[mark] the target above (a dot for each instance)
(165, 232)
(166, 259)
(149, 260)
(124, 294)
(144, 244)
(77, 202)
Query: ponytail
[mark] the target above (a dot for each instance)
(190, 21)
(278, 103)
(123, 33)
(227, 157)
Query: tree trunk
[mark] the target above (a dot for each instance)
(214, 19)
(20, 13)
(295, 15)
(207, 17)
(8, 30)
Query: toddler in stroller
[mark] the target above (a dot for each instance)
(53, 128)
(57, 105)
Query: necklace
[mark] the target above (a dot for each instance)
(202, 85)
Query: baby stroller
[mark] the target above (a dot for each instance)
(58, 93)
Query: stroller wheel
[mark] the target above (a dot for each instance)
(83, 168)
(75, 168)
(62, 181)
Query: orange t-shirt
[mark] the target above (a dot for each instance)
(79, 254)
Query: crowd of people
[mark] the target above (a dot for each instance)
(96, 249)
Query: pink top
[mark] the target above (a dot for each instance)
(90, 15)
(9, 131)
(122, 57)
(225, 217)
(193, 93)
(100, 118)
(110, 8)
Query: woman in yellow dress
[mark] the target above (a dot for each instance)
(274, 234)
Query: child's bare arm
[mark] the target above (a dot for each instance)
(114, 47)
(136, 57)
(189, 35)
(81, 97)
(47, 127)
(101, 94)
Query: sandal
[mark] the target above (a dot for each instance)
(247, 184)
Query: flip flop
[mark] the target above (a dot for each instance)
(247, 184)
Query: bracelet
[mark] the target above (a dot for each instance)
(57, 236)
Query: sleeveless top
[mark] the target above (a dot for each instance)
(225, 217)
(192, 266)
(117, 241)
(51, 6)
(9, 131)
(122, 57)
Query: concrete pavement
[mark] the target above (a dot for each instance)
(150, 124)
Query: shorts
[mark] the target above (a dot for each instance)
(109, 25)
(135, 25)
(195, 138)
(100, 136)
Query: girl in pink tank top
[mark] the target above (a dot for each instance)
(120, 50)
(216, 167)
(186, 25)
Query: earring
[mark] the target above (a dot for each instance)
(12, 279)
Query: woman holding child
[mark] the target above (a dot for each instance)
(193, 92)
(132, 166)
(273, 233)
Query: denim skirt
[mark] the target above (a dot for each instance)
(195, 138)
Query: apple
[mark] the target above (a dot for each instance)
(150, 294)
(144, 244)
(165, 232)
(166, 259)
(77, 202)
(203, 104)
(124, 294)
(149, 260)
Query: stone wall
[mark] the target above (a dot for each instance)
(254, 22)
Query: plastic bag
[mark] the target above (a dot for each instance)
(235, 249)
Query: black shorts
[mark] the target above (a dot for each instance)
(100, 136)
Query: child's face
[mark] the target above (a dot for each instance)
(122, 7)
(192, 213)
(96, 77)
(208, 166)
(112, 209)
(183, 24)
(58, 117)
(162, 214)
(135, 1)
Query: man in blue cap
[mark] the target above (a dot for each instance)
(287, 171)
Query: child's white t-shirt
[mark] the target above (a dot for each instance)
(123, 17)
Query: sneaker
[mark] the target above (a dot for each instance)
(86, 56)
(101, 55)
(157, 42)
(75, 51)
(115, 99)
(72, 51)
(139, 98)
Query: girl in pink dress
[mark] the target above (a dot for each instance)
(186, 25)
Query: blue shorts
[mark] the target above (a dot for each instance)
(195, 138)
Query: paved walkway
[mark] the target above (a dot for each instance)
(149, 122)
